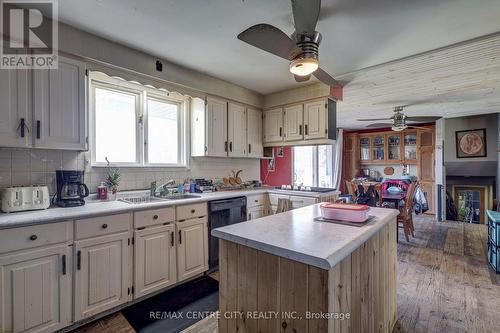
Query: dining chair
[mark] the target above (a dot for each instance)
(283, 205)
(405, 217)
(351, 190)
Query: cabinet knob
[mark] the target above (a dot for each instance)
(155, 217)
(33, 237)
(104, 226)
(193, 211)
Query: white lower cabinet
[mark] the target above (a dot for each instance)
(155, 259)
(36, 290)
(256, 212)
(101, 274)
(192, 247)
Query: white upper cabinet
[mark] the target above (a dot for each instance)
(59, 117)
(273, 125)
(254, 133)
(315, 120)
(15, 113)
(36, 290)
(216, 127)
(237, 130)
(293, 116)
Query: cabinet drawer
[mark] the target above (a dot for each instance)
(151, 217)
(298, 202)
(37, 235)
(191, 211)
(274, 198)
(102, 225)
(257, 200)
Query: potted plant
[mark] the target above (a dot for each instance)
(112, 180)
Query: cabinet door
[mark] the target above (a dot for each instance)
(102, 274)
(293, 116)
(155, 259)
(394, 148)
(216, 127)
(426, 164)
(256, 212)
(298, 202)
(365, 149)
(378, 148)
(59, 106)
(192, 248)
(15, 108)
(410, 147)
(36, 290)
(273, 125)
(237, 130)
(254, 133)
(315, 121)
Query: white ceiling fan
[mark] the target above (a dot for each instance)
(399, 121)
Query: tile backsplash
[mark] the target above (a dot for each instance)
(37, 166)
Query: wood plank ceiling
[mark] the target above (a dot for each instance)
(459, 80)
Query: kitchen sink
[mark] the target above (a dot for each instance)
(141, 199)
(181, 196)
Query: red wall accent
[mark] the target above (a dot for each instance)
(336, 92)
(282, 173)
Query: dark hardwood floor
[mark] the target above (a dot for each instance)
(444, 284)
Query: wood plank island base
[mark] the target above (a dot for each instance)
(289, 273)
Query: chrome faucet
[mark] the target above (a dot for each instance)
(155, 188)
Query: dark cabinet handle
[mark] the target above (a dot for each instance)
(306, 130)
(79, 260)
(172, 238)
(64, 264)
(281, 131)
(22, 126)
(33, 237)
(225, 146)
(231, 146)
(300, 129)
(180, 237)
(38, 123)
(155, 217)
(249, 148)
(104, 226)
(193, 211)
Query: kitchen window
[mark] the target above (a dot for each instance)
(313, 165)
(135, 125)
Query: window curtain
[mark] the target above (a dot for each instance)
(337, 159)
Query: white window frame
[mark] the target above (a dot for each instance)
(143, 94)
(315, 164)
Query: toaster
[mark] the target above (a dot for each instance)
(17, 199)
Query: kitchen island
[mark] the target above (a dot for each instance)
(290, 273)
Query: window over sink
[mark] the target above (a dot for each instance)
(313, 165)
(136, 125)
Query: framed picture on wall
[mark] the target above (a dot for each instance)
(471, 143)
(280, 152)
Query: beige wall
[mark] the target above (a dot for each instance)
(91, 47)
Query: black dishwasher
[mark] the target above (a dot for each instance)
(221, 213)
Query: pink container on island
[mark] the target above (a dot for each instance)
(345, 212)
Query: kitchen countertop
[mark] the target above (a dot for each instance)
(296, 236)
(98, 208)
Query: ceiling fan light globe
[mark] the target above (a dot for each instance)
(304, 66)
(398, 128)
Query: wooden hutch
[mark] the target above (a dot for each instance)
(387, 147)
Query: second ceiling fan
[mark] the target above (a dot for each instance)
(301, 49)
(399, 120)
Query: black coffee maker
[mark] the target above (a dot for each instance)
(71, 189)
